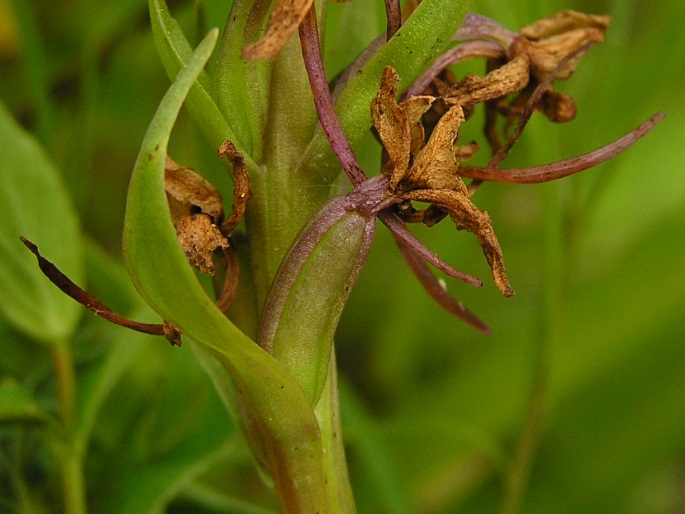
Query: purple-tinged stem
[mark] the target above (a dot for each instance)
(547, 172)
(330, 123)
(476, 26)
(471, 50)
(393, 12)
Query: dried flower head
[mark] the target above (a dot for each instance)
(428, 171)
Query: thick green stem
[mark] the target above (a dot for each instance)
(282, 201)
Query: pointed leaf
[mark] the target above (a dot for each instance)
(281, 423)
(174, 51)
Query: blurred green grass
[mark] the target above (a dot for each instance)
(433, 411)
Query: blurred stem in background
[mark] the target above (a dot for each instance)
(71, 459)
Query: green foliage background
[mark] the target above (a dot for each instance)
(586, 364)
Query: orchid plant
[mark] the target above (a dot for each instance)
(287, 257)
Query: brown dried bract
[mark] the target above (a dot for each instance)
(285, 18)
(428, 172)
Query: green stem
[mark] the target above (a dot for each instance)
(71, 458)
(282, 201)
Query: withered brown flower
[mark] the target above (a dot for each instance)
(427, 171)
(285, 17)
(430, 172)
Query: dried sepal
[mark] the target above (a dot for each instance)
(505, 80)
(392, 126)
(564, 22)
(241, 186)
(466, 216)
(285, 18)
(435, 166)
(551, 39)
(415, 107)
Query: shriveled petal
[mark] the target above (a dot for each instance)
(505, 80)
(241, 185)
(435, 166)
(392, 125)
(199, 237)
(285, 18)
(414, 108)
(186, 189)
(564, 21)
(466, 216)
(546, 55)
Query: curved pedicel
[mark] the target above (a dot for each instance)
(560, 169)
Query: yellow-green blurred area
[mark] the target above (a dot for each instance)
(574, 404)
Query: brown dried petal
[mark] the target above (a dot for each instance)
(564, 21)
(505, 80)
(186, 188)
(199, 237)
(466, 216)
(435, 166)
(241, 185)
(414, 108)
(546, 55)
(284, 20)
(392, 125)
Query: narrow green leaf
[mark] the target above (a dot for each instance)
(34, 203)
(280, 419)
(243, 86)
(174, 51)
